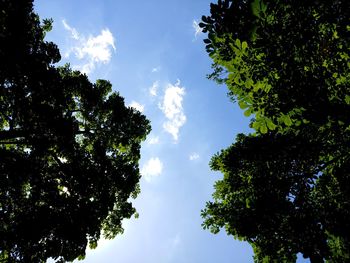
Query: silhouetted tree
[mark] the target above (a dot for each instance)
(69, 149)
(286, 187)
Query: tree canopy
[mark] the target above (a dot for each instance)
(286, 186)
(69, 148)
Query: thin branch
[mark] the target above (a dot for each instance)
(13, 142)
(12, 134)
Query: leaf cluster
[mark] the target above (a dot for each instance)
(69, 148)
(293, 64)
(285, 187)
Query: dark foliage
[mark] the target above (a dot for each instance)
(69, 149)
(285, 187)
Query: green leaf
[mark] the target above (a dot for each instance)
(347, 99)
(256, 125)
(244, 45)
(248, 83)
(248, 112)
(258, 6)
(263, 129)
(243, 105)
(237, 79)
(268, 87)
(238, 43)
(257, 86)
(270, 125)
(92, 245)
(287, 121)
(247, 203)
(81, 257)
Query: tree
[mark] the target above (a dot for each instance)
(286, 186)
(69, 149)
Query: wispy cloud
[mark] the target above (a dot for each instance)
(173, 110)
(137, 106)
(73, 31)
(193, 156)
(152, 168)
(154, 88)
(173, 245)
(197, 28)
(153, 140)
(155, 69)
(91, 50)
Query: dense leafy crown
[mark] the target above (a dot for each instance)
(277, 49)
(286, 187)
(69, 149)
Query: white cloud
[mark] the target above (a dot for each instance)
(90, 50)
(194, 156)
(173, 110)
(152, 168)
(73, 31)
(153, 140)
(154, 88)
(156, 69)
(137, 106)
(197, 28)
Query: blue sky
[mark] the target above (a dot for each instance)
(154, 56)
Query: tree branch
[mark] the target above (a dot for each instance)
(13, 142)
(12, 134)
